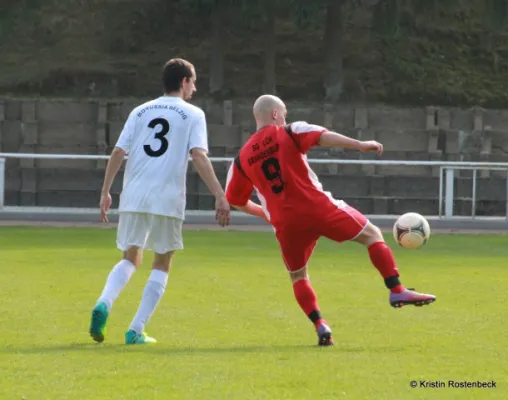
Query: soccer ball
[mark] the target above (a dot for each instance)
(411, 230)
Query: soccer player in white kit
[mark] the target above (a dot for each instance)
(158, 137)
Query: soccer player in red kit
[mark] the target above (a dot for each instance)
(273, 163)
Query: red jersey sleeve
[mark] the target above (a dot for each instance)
(238, 187)
(305, 135)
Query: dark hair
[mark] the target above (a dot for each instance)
(175, 70)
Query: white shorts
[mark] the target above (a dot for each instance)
(150, 232)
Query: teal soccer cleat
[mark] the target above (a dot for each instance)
(132, 337)
(100, 315)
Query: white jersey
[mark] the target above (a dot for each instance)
(158, 136)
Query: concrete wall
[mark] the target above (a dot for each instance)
(92, 127)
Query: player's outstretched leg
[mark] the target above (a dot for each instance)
(382, 258)
(307, 299)
(117, 279)
(154, 289)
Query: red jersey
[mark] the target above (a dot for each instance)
(274, 164)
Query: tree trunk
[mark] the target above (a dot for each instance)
(333, 71)
(216, 80)
(270, 50)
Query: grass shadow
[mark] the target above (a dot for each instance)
(164, 350)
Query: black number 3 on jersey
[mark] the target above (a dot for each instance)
(161, 135)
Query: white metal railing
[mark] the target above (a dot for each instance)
(2, 182)
(446, 168)
(449, 187)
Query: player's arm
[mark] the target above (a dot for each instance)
(253, 209)
(307, 136)
(238, 192)
(205, 170)
(198, 148)
(333, 139)
(207, 173)
(114, 163)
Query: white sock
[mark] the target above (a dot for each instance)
(154, 289)
(117, 279)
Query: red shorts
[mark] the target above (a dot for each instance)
(338, 224)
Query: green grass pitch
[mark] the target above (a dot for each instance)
(229, 328)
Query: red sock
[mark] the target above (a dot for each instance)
(306, 298)
(382, 258)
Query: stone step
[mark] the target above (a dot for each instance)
(41, 180)
(204, 201)
(389, 205)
